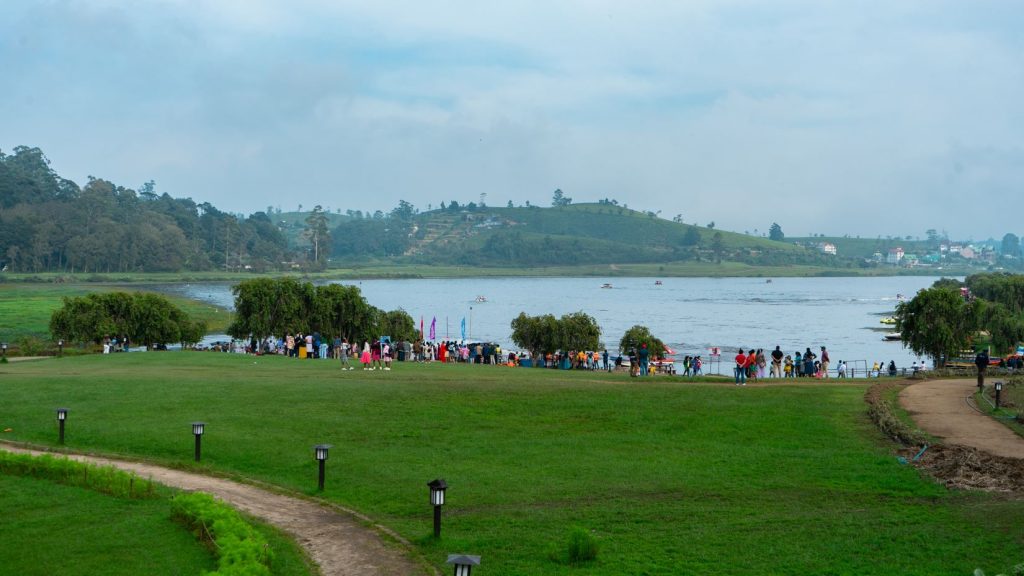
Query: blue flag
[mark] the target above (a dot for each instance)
(463, 328)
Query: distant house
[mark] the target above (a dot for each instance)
(968, 252)
(827, 248)
(895, 256)
(955, 248)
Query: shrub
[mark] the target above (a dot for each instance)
(240, 549)
(581, 548)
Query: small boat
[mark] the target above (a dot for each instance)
(481, 299)
(606, 285)
(768, 281)
(892, 337)
(888, 320)
(657, 282)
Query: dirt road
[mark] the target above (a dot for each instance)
(338, 542)
(940, 407)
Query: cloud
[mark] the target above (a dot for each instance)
(866, 118)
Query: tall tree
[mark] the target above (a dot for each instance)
(559, 199)
(937, 322)
(775, 232)
(318, 235)
(1011, 245)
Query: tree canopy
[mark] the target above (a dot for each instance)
(639, 335)
(276, 306)
(143, 318)
(547, 334)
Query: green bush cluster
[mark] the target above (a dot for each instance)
(240, 549)
(104, 479)
(581, 548)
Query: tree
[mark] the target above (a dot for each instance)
(266, 306)
(318, 235)
(717, 246)
(538, 334)
(937, 322)
(141, 317)
(775, 233)
(558, 199)
(578, 331)
(711, 225)
(639, 335)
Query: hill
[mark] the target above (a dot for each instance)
(577, 234)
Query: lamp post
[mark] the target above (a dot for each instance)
(3, 345)
(197, 431)
(62, 416)
(60, 347)
(321, 457)
(437, 488)
(463, 563)
(999, 389)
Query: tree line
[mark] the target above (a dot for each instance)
(140, 317)
(577, 331)
(51, 224)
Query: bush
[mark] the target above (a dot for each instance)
(240, 549)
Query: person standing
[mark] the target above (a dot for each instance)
(824, 362)
(604, 360)
(343, 350)
(645, 358)
(741, 368)
(981, 361)
(776, 363)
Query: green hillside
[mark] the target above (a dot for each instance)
(568, 235)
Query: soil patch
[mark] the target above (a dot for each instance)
(964, 459)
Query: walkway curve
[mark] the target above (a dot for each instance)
(336, 541)
(940, 407)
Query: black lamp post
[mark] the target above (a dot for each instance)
(321, 458)
(4, 346)
(62, 416)
(60, 347)
(197, 431)
(999, 389)
(437, 488)
(463, 563)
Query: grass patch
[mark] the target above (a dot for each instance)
(51, 528)
(25, 310)
(669, 477)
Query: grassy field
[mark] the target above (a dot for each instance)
(670, 477)
(25, 308)
(54, 529)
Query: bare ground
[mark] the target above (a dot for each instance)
(338, 540)
(975, 451)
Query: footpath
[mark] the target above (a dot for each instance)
(338, 541)
(944, 409)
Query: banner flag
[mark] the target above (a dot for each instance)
(433, 328)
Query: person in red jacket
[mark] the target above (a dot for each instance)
(741, 368)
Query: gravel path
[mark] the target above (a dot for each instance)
(940, 407)
(337, 541)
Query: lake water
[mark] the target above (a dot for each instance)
(691, 315)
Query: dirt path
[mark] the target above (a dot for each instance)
(336, 541)
(940, 407)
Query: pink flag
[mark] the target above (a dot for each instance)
(433, 327)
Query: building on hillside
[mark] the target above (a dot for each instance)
(968, 252)
(895, 256)
(827, 248)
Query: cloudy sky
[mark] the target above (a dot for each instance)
(862, 118)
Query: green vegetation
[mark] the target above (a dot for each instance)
(142, 318)
(668, 477)
(103, 479)
(640, 336)
(240, 548)
(52, 528)
(942, 321)
(546, 334)
(26, 309)
(268, 306)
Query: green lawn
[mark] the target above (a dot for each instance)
(49, 528)
(671, 478)
(25, 308)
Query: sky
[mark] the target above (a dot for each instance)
(864, 118)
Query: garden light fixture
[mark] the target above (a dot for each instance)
(60, 347)
(197, 431)
(437, 488)
(321, 458)
(4, 346)
(62, 415)
(999, 390)
(463, 563)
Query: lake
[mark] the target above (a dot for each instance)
(691, 315)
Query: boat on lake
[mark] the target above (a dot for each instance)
(892, 337)
(888, 320)
(606, 285)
